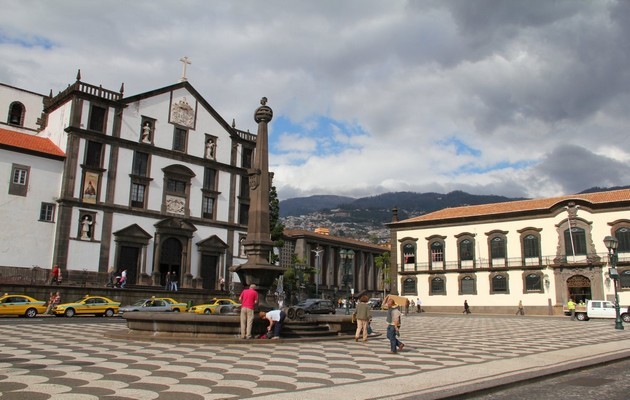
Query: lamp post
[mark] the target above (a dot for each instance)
(611, 244)
(318, 266)
(346, 257)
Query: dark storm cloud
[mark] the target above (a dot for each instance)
(576, 169)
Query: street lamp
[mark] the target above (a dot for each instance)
(347, 256)
(611, 244)
(318, 266)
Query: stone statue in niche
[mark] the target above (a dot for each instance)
(146, 133)
(210, 147)
(86, 228)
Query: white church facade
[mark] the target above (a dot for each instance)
(541, 252)
(152, 183)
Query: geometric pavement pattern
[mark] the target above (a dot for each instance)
(76, 361)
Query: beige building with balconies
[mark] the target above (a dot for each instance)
(541, 252)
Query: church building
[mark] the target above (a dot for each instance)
(98, 182)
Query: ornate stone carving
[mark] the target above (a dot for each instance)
(175, 205)
(183, 114)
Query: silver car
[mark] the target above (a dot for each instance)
(147, 305)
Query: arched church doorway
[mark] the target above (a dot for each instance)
(579, 288)
(170, 259)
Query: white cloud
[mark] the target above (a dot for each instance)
(372, 89)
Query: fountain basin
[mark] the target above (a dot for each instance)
(190, 327)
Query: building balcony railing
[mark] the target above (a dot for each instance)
(513, 263)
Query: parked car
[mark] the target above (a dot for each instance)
(375, 303)
(97, 305)
(215, 306)
(316, 306)
(148, 305)
(20, 305)
(598, 309)
(176, 306)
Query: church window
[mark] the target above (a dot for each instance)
(175, 186)
(243, 215)
(207, 206)
(244, 187)
(93, 154)
(180, 137)
(16, 114)
(209, 179)
(47, 212)
(247, 157)
(97, 117)
(624, 278)
(137, 195)
(19, 180)
(140, 164)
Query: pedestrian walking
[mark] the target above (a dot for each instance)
(419, 305)
(406, 306)
(520, 310)
(249, 300)
(571, 307)
(222, 284)
(362, 314)
(393, 326)
(466, 308)
(123, 278)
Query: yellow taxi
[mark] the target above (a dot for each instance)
(20, 305)
(97, 305)
(176, 306)
(215, 306)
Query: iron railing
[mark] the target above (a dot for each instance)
(510, 263)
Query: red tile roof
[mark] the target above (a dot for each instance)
(296, 233)
(496, 209)
(28, 142)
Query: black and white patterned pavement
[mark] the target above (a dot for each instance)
(76, 361)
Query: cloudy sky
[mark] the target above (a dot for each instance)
(516, 98)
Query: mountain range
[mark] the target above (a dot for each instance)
(364, 218)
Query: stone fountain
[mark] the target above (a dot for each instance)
(258, 245)
(257, 269)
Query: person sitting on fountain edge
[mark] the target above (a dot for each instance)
(276, 320)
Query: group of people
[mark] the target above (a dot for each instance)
(117, 280)
(274, 318)
(171, 281)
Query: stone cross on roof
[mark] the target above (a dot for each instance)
(184, 61)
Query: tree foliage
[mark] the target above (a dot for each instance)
(276, 226)
(383, 265)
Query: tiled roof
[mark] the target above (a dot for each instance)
(295, 233)
(533, 205)
(29, 142)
